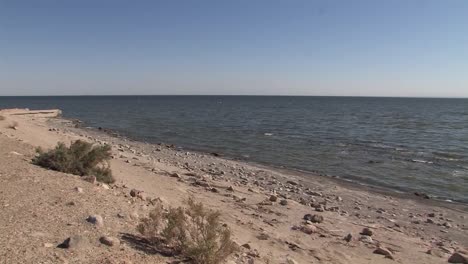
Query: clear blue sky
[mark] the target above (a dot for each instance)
(290, 47)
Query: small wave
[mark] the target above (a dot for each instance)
(268, 134)
(422, 161)
(382, 146)
(447, 159)
(459, 174)
(448, 155)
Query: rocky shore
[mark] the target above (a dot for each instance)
(277, 216)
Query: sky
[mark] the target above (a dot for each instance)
(416, 48)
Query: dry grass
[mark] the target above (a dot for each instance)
(81, 158)
(194, 232)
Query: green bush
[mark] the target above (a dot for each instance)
(81, 158)
(194, 232)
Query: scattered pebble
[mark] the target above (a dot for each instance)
(72, 242)
(458, 257)
(367, 232)
(313, 218)
(96, 220)
(383, 251)
(109, 241)
(348, 238)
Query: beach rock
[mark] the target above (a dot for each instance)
(230, 188)
(109, 241)
(79, 189)
(247, 246)
(202, 184)
(431, 215)
(367, 232)
(366, 239)
(133, 192)
(254, 254)
(348, 238)
(263, 236)
(284, 202)
(292, 182)
(291, 261)
(308, 229)
(74, 242)
(458, 257)
(313, 218)
(192, 174)
(273, 198)
(313, 193)
(142, 196)
(96, 220)
(265, 202)
(383, 251)
(105, 186)
(423, 195)
(176, 175)
(320, 208)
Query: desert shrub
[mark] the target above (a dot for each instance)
(81, 158)
(151, 226)
(194, 232)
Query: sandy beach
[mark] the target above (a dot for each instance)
(265, 207)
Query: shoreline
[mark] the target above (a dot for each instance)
(348, 183)
(263, 205)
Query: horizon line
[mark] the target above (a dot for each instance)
(239, 95)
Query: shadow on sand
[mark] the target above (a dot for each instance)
(142, 244)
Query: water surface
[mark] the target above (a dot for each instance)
(404, 144)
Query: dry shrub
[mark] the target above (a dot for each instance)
(194, 232)
(81, 158)
(150, 227)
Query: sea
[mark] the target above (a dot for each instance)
(400, 144)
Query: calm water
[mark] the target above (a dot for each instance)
(402, 144)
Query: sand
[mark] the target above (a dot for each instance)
(41, 208)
